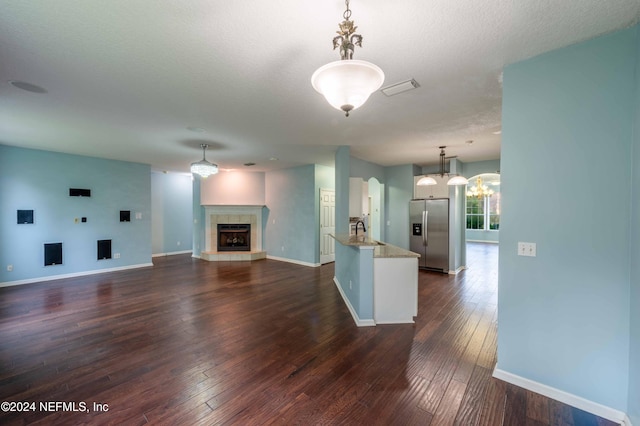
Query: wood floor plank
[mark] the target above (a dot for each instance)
(537, 407)
(267, 342)
(515, 412)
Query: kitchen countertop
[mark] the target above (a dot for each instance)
(380, 249)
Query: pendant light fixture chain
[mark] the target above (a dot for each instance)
(347, 13)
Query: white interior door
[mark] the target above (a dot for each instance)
(327, 225)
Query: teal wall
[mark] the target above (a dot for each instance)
(290, 195)
(399, 191)
(365, 170)
(564, 315)
(40, 181)
(634, 299)
(172, 219)
(353, 267)
(199, 239)
(342, 170)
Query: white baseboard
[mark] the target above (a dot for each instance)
(74, 275)
(297, 262)
(171, 253)
(359, 322)
(457, 271)
(564, 397)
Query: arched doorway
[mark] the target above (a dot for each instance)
(483, 206)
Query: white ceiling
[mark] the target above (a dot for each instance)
(125, 79)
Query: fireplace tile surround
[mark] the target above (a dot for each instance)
(226, 214)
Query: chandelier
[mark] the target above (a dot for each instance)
(347, 84)
(454, 180)
(480, 190)
(203, 167)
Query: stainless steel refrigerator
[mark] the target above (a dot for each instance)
(429, 220)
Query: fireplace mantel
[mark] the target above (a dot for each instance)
(233, 214)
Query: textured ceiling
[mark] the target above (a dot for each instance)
(125, 79)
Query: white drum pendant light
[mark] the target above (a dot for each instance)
(347, 83)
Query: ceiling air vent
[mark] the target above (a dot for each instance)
(403, 86)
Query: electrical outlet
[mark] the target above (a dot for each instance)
(178, 243)
(350, 285)
(9, 268)
(527, 249)
(116, 255)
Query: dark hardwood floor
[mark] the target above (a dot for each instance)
(193, 342)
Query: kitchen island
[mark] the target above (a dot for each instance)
(378, 281)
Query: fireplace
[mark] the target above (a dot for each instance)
(245, 219)
(234, 237)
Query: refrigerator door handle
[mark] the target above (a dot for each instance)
(425, 217)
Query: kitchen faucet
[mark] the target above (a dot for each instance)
(363, 227)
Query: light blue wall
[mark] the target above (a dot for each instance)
(564, 315)
(198, 218)
(172, 219)
(342, 169)
(353, 267)
(290, 195)
(399, 191)
(634, 300)
(365, 170)
(40, 181)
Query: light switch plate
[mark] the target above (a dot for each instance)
(527, 249)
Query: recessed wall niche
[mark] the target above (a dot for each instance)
(25, 217)
(52, 254)
(104, 249)
(125, 215)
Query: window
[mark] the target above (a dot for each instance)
(483, 202)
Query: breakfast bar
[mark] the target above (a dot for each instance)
(385, 276)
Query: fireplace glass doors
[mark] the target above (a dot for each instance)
(234, 237)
